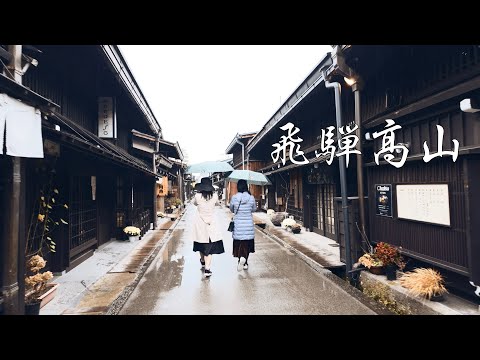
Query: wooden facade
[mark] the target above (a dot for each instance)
(250, 164)
(419, 87)
(305, 191)
(107, 183)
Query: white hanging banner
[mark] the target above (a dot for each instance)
(23, 126)
(107, 124)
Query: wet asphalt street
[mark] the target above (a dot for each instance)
(277, 281)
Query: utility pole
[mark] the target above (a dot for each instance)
(13, 254)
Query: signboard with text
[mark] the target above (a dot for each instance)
(106, 118)
(424, 202)
(383, 200)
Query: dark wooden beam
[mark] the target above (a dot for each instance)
(5, 54)
(454, 91)
(28, 96)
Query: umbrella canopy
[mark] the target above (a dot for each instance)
(252, 177)
(209, 167)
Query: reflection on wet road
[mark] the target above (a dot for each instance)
(277, 281)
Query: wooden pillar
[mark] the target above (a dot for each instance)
(13, 249)
(471, 169)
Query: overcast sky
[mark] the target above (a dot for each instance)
(202, 95)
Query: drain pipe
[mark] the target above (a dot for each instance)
(357, 86)
(155, 204)
(343, 176)
(243, 151)
(361, 196)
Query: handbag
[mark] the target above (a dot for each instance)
(231, 226)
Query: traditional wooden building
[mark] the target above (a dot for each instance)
(242, 161)
(433, 210)
(101, 144)
(428, 206)
(307, 187)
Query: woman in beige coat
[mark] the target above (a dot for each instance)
(208, 239)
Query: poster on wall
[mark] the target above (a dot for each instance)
(424, 202)
(383, 200)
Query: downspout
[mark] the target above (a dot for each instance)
(157, 149)
(356, 87)
(343, 176)
(243, 151)
(359, 133)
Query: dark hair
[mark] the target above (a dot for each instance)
(242, 186)
(207, 195)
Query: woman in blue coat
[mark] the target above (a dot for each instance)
(243, 205)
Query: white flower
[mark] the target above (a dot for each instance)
(288, 222)
(132, 231)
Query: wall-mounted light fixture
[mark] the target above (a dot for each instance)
(368, 136)
(349, 80)
(470, 105)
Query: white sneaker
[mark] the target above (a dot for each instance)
(208, 273)
(241, 262)
(245, 267)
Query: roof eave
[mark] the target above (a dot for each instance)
(230, 147)
(311, 81)
(175, 145)
(124, 75)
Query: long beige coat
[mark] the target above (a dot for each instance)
(205, 225)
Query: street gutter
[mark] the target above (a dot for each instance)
(116, 306)
(343, 284)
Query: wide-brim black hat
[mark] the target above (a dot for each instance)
(205, 185)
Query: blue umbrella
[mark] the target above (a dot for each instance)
(252, 177)
(209, 167)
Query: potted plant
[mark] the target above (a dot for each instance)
(391, 259)
(277, 218)
(288, 223)
(372, 263)
(296, 228)
(132, 232)
(35, 284)
(424, 282)
(48, 213)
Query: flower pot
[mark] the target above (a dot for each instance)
(377, 270)
(391, 271)
(32, 308)
(277, 218)
(47, 296)
(437, 298)
(133, 238)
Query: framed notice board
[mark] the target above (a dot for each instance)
(424, 202)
